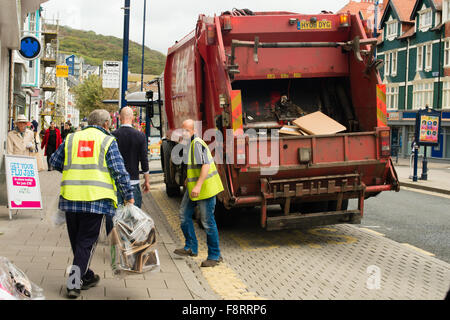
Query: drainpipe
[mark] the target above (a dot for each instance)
(439, 102)
(407, 74)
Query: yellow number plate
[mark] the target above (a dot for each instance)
(319, 25)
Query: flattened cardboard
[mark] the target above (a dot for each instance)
(318, 123)
(291, 130)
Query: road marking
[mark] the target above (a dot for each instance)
(348, 239)
(436, 194)
(222, 279)
(418, 249)
(372, 231)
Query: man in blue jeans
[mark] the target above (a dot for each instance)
(203, 184)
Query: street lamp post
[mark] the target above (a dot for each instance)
(126, 36)
(143, 55)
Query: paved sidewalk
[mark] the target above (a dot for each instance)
(438, 176)
(43, 252)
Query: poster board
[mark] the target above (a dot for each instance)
(428, 126)
(22, 182)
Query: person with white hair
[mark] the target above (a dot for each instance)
(21, 140)
(93, 172)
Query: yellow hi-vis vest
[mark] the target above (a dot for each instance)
(86, 176)
(212, 184)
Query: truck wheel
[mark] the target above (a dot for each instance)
(223, 216)
(172, 189)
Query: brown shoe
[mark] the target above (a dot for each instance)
(211, 263)
(185, 253)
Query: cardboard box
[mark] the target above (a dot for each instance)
(318, 123)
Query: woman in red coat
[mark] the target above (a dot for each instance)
(52, 140)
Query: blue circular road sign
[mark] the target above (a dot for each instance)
(30, 47)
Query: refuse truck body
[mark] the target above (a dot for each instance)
(246, 75)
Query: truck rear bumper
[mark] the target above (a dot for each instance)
(316, 189)
(312, 220)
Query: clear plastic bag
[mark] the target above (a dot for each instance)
(59, 218)
(133, 242)
(15, 285)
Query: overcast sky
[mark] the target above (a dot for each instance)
(167, 20)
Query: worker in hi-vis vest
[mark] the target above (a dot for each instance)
(203, 184)
(93, 171)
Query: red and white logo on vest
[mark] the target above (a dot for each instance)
(86, 149)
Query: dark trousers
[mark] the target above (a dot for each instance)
(50, 150)
(84, 230)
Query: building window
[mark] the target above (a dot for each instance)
(392, 97)
(447, 53)
(394, 63)
(387, 63)
(391, 29)
(428, 57)
(425, 19)
(446, 11)
(446, 94)
(423, 95)
(419, 58)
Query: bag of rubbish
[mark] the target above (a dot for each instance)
(15, 285)
(133, 242)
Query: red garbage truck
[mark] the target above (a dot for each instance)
(245, 76)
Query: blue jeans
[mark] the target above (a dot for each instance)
(206, 207)
(137, 202)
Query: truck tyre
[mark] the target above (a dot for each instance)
(172, 189)
(223, 216)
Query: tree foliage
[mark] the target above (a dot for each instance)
(95, 49)
(89, 96)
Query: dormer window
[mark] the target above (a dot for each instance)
(425, 19)
(391, 29)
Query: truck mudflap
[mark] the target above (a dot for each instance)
(337, 187)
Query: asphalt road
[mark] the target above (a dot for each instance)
(422, 220)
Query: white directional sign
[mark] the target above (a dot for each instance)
(111, 74)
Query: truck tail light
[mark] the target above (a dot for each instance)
(227, 23)
(344, 20)
(385, 142)
(210, 34)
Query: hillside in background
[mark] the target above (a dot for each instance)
(95, 48)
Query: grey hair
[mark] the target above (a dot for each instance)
(99, 117)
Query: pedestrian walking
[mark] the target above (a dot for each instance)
(51, 142)
(203, 184)
(133, 147)
(66, 131)
(93, 172)
(21, 140)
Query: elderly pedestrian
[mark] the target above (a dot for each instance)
(93, 172)
(21, 140)
(52, 140)
(203, 184)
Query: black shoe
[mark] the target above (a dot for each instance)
(185, 253)
(91, 282)
(73, 293)
(211, 263)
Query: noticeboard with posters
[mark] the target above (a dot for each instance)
(22, 182)
(428, 126)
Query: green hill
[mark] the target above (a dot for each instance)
(96, 48)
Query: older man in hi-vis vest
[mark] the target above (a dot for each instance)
(203, 184)
(93, 172)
